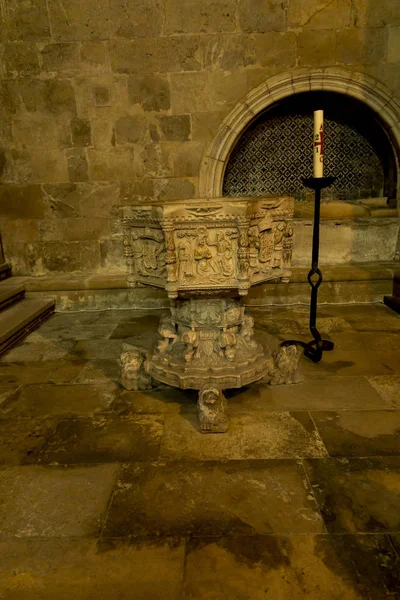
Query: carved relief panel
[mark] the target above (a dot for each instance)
(204, 246)
(270, 240)
(206, 254)
(144, 249)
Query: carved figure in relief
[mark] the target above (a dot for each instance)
(233, 312)
(254, 246)
(147, 254)
(223, 259)
(203, 255)
(228, 343)
(133, 375)
(185, 262)
(247, 331)
(212, 410)
(278, 238)
(167, 330)
(287, 369)
(137, 252)
(243, 254)
(150, 255)
(191, 339)
(266, 246)
(287, 245)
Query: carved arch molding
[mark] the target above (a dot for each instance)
(359, 86)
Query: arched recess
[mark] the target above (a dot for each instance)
(360, 86)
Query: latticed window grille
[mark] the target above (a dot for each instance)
(274, 154)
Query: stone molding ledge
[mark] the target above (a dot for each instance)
(370, 208)
(358, 283)
(110, 281)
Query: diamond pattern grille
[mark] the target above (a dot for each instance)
(274, 154)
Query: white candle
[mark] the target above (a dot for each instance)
(319, 143)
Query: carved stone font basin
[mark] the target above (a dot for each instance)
(206, 254)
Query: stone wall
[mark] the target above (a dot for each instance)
(111, 102)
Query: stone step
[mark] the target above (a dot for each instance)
(10, 293)
(17, 321)
(396, 285)
(393, 302)
(5, 271)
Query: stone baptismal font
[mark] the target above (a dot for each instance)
(207, 254)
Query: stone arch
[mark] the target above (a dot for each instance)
(357, 85)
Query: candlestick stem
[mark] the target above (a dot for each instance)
(316, 347)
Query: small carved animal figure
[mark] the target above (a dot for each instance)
(212, 410)
(133, 375)
(287, 369)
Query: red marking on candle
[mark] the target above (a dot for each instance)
(320, 143)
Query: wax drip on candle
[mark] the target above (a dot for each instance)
(319, 141)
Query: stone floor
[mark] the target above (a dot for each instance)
(110, 494)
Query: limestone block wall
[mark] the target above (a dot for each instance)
(111, 102)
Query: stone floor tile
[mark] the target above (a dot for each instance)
(391, 360)
(324, 393)
(212, 498)
(96, 349)
(357, 494)
(66, 332)
(54, 502)
(267, 315)
(343, 362)
(251, 435)
(296, 319)
(40, 351)
(59, 569)
(395, 540)
(183, 440)
(6, 392)
(129, 315)
(163, 400)
(301, 325)
(370, 317)
(104, 439)
(298, 309)
(355, 567)
(359, 340)
(360, 433)
(99, 371)
(138, 326)
(52, 371)
(388, 387)
(72, 319)
(21, 441)
(41, 400)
